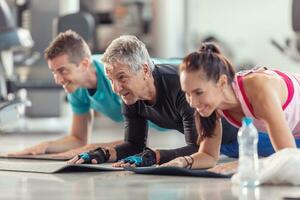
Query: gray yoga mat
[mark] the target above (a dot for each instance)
(36, 157)
(176, 171)
(49, 167)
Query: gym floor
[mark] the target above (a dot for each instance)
(117, 185)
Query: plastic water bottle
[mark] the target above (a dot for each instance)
(248, 159)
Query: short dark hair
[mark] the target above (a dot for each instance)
(70, 43)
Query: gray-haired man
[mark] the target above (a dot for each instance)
(149, 92)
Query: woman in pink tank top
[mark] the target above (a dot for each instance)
(211, 85)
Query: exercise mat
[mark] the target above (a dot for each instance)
(42, 166)
(38, 157)
(176, 171)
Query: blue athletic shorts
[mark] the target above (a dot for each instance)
(264, 147)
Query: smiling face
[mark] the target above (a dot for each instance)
(128, 84)
(202, 94)
(67, 74)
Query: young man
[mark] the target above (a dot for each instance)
(82, 77)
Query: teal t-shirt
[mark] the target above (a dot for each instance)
(104, 100)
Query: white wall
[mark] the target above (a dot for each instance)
(68, 7)
(247, 25)
(168, 28)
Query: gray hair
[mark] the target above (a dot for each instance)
(127, 49)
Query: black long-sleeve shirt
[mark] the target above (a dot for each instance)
(170, 111)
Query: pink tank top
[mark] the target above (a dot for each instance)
(291, 107)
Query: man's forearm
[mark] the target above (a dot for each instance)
(64, 144)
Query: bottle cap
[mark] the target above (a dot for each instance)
(247, 120)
